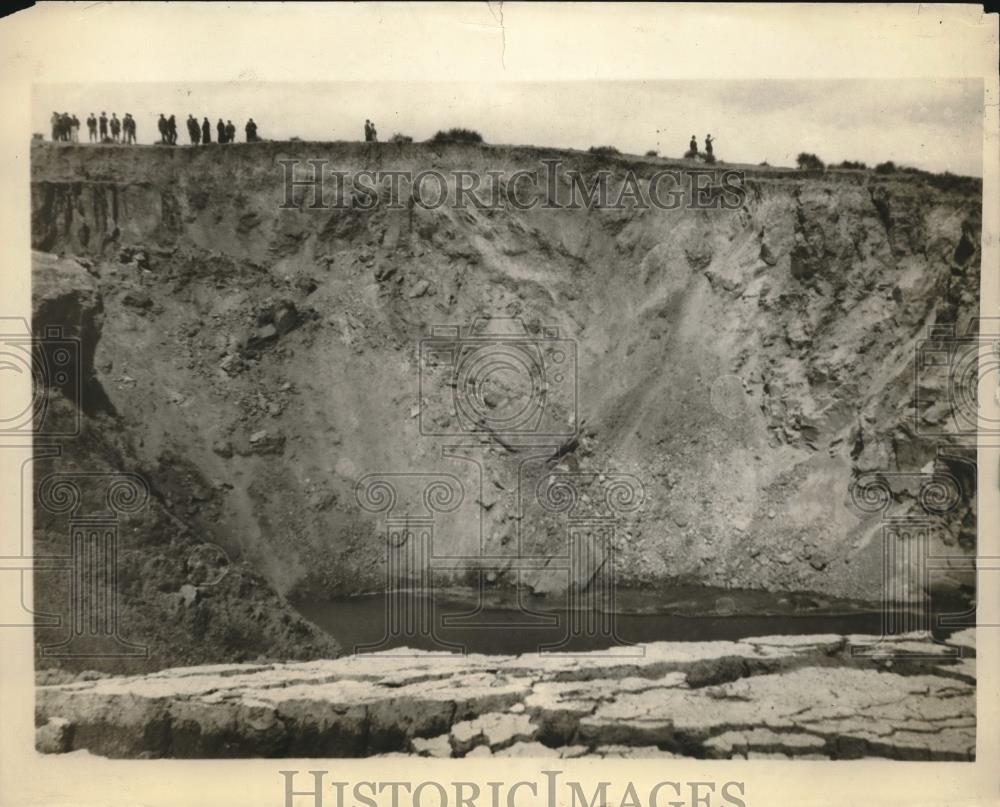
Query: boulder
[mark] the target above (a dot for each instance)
(716, 671)
(137, 299)
(54, 737)
(263, 442)
(188, 594)
(286, 318)
(419, 289)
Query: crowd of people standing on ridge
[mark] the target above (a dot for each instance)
(66, 129)
(201, 133)
(168, 129)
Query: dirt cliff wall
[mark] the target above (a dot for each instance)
(165, 592)
(747, 365)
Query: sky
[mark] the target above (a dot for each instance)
(935, 124)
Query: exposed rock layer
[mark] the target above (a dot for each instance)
(750, 365)
(177, 596)
(809, 697)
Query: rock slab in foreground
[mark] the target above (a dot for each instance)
(774, 697)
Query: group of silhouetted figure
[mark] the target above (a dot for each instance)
(66, 129)
(692, 152)
(201, 133)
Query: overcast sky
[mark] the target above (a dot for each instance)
(932, 124)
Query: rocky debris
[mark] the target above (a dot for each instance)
(306, 284)
(494, 730)
(206, 564)
(189, 594)
(235, 616)
(731, 744)
(716, 671)
(767, 253)
(321, 499)
(224, 448)
(286, 318)
(966, 639)
(525, 750)
(800, 697)
(274, 320)
(420, 288)
(180, 599)
(439, 746)
(248, 222)
(63, 283)
(262, 337)
(698, 254)
(54, 737)
(133, 255)
(137, 299)
(632, 752)
(54, 675)
(261, 441)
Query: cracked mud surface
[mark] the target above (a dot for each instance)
(808, 697)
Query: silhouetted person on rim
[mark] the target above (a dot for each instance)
(128, 127)
(161, 124)
(368, 131)
(172, 130)
(74, 129)
(709, 154)
(194, 130)
(230, 132)
(103, 126)
(251, 130)
(92, 128)
(220, 127)
(206, 131)
(116, 128)
(693, 147)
